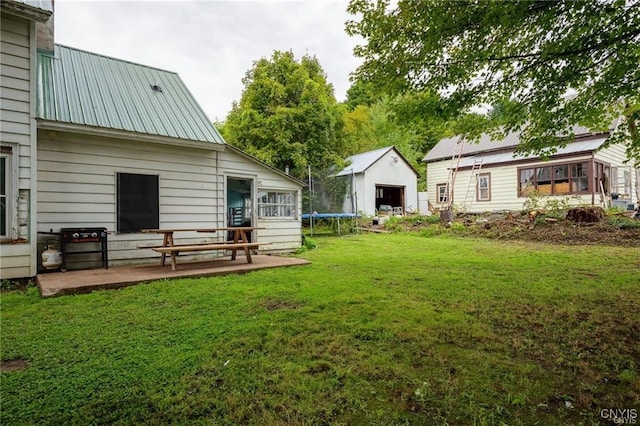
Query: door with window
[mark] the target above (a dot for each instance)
(239, 199)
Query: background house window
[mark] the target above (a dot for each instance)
(484, 187)
(559, 179)
(277, 204)
(579, 177)
(621, 182)
(443, 195)
(138, 202)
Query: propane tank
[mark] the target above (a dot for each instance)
(51, 258)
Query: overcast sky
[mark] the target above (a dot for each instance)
(211, 44)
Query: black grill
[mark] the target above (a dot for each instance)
(84, 235)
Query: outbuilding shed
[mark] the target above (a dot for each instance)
(382, 177)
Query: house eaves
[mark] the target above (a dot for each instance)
(77, 89)
(256, 160)
(34, 10)
(446, 148)
(587, 146)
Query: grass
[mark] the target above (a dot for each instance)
(380, 329)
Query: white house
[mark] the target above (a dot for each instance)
(18, 249)
(489, 176)
(125, 147)
(382, 177)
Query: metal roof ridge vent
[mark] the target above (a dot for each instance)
(156, 88)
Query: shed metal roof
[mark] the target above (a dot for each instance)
(358, 163)
(88, 89)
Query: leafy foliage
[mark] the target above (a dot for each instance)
(287, 115)
(550, 65)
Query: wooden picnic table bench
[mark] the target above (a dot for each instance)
(240, 242)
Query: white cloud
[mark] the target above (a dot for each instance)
(211, 44)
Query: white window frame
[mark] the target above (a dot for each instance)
(277, 204)
(479, 190)
(9, 153)
(442, 192)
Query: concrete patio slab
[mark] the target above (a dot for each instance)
(77, 282)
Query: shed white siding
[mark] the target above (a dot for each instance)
(388, 170)
(77, 188)
(18, 139)
(284, 234)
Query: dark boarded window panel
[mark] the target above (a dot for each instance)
(138, 202)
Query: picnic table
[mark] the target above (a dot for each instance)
(240, 242)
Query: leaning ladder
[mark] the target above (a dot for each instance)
(453, 172)
(475, 172)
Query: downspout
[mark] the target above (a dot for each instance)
(593, 178)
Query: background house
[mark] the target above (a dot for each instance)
(121, 146)
(490, 176)
(379, 177)
(18, 249)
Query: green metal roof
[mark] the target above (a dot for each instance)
(87, 89)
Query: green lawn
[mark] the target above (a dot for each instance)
(380, 329)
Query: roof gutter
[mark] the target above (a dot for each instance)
(122, 134)
(26, 11)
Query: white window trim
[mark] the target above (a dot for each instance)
(442, 198)
(295, 204)
(12, 191)
(488, 188)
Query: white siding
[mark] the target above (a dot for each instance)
(504, 182)
(385, 172)
(615, 155)
(284, 234)
(18, 132)
(77, 188)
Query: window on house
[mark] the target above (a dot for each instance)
(277, 204)
(8, 192)
(621, 182)
(5, 178)
(559, 179)
(138, 202)
(579, 177)
(443, 194)
(484, 187)
(626, 183)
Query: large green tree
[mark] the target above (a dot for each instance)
(287, 115)
(549, 65)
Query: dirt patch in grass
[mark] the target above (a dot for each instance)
(14, 364)
(277, 304)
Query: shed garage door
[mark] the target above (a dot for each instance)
(390, 195)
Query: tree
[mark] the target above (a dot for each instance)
(376, 126)
(549, 64)
(287, 115)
